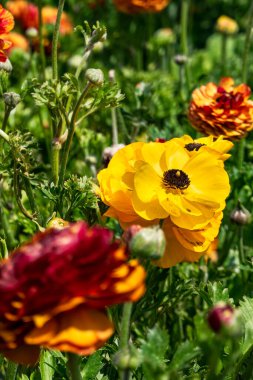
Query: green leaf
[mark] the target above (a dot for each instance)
(185, 352)
(218, 293)
(46, 365)
(11, 371)
(92, 366)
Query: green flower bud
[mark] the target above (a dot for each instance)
(164, 36)
(11, 99)
(148, 243)
(95, 76)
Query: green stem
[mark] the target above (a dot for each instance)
(74, 367)
(6, 228)
(241, 245)
(125, 374)
(6, 117)
(41, 47)
(184, 42)
(3, 249)
(30, 196)
(4, 136)
(115, 138)
(224, 39)
(71, 132)
(55, 162)
(241, 151)
(56, 38)
(247, 45)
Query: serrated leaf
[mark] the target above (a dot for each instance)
(92, 366)
(218, 293)
(246, 309)
(185, 352)
(157, 343)
(11, 370)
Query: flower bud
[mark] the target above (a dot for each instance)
(226, 25)
(6, 66)
(126, 359)
(31, 32)
(109, 152)
(240, 215)
(180, 59)
(148, 243)
(221, 316)
(95, 76)
(57, 223)
(11, 99)
(163, 37)
(131, 232)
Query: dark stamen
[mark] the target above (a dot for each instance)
(175, 179)
(193, 146)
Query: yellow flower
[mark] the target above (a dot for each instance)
(171, 183)
(186, 245)
(226, 25)
(218, 146)
(145, 182)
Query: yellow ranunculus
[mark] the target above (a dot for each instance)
(186, 245)
(145, 182)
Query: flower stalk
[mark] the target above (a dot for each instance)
(184, 42)
(56, 38)
(41, 47)
(247, 45)
(224, 40)
(124, 335)
(73, 366)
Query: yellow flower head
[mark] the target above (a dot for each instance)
(152, 181)
(185, 245)
(226, 25)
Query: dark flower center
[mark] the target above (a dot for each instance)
(175, 179)
(193, 146)
(227, 100)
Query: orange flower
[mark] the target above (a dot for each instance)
(6, 24)
(222, 110)
(17, 41)
(137, 6)
(54, 290)
(27, 14)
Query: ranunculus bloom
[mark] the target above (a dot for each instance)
(226, 25)
(54, 290)
(155, 181)
(28, 16)
(6, 24)
(137, 6)
(186, 245)
(222, 110)
(17, 40)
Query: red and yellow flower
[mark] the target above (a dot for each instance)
(6, 25)
(137, 6)
(222, 110)
(17, 40)
(54, 291)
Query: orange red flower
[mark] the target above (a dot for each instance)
(222, 110)
(137, 6)
(27, 15)
(16, 40)
(6, 25)
(54, 291)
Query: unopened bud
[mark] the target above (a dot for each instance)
(180, 59)
(109, 152)
(164, 36)
(131, 232)
(125, 359)
(95, 76)
(11, 99)
(148, 243)
(57, 223)
(240, 215)
(221, 317)
(31, 32)
(6, 66)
